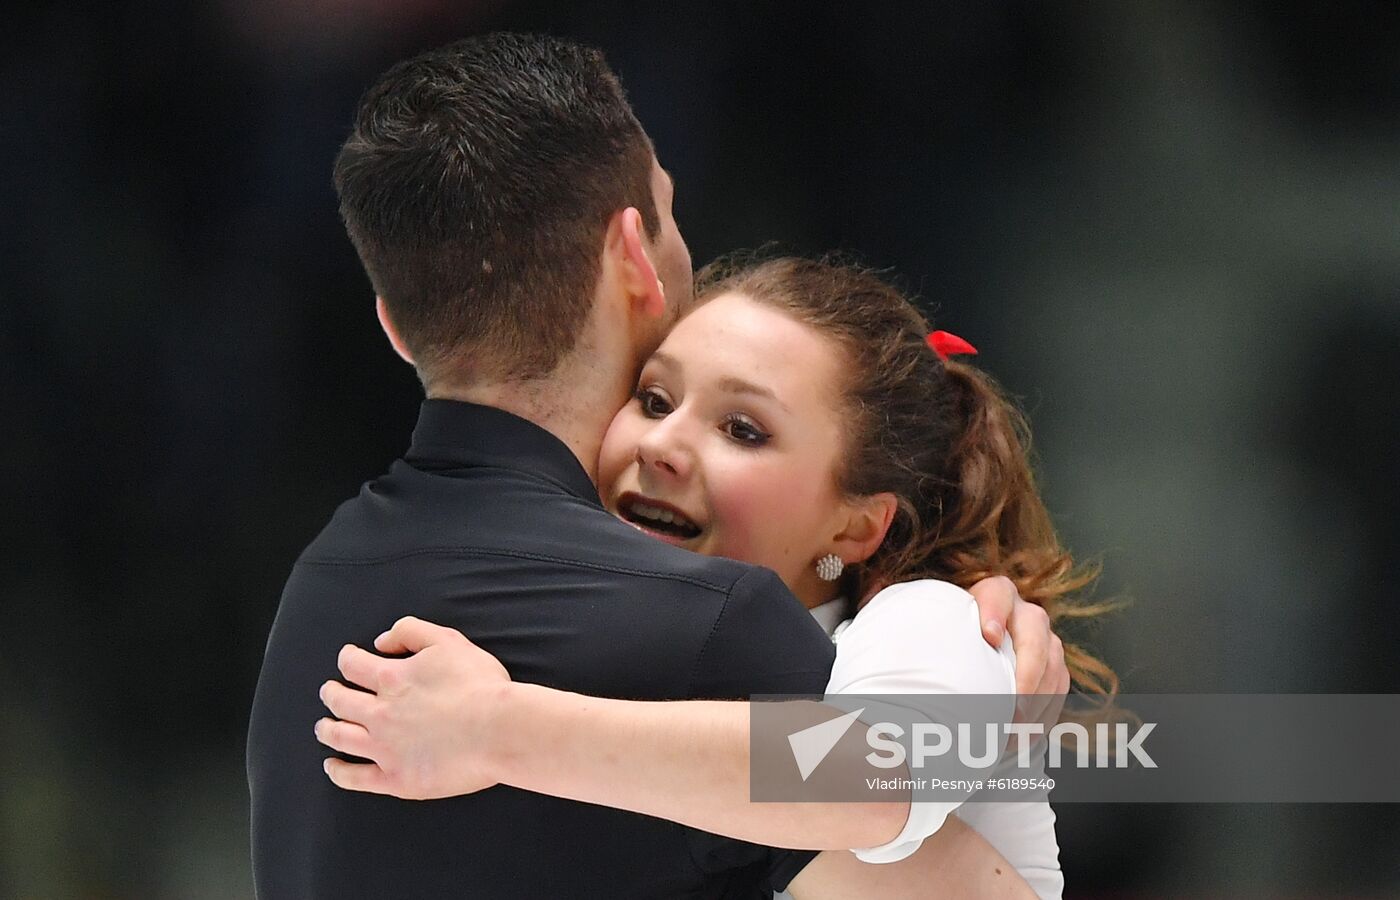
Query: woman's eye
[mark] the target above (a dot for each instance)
(745, 432)
(654, 405)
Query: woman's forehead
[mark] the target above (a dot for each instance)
(735, 325)
(736, 336)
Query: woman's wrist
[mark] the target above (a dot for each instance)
(527, 722)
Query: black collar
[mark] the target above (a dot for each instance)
(453, 434)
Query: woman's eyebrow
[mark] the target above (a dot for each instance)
(740, 386)
(731, 383)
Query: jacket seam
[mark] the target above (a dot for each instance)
(714, 629)
(416, 454)
(518, 554)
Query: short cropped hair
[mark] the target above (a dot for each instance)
(477, 185)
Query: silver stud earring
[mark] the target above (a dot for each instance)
(829, 567)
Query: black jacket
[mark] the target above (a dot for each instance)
(490, 525)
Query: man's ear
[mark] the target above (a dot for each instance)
(391, 332)
(867, 522)
(638, 274)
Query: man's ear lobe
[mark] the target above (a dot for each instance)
(391, 332)
(866, 527)
(640, 275)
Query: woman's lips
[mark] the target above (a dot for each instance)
(657, 518)
(675, 539)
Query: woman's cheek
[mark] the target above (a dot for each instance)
(747, 501)
(619, 447)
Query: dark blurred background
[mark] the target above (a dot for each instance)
(1172, 228)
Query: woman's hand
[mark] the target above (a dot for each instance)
(1042, 679)
(427, 724)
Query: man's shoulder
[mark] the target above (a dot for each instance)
(593, 587)
(763, 627)
(389, 520)
(622, 547)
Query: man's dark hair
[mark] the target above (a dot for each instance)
(477, 185)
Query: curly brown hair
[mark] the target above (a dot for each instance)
(942, 437)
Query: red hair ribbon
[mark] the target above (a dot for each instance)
(945, 344)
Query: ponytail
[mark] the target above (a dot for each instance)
(993, 521)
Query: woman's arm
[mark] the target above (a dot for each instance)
(955, 862)
(688, 761)
(448, 721)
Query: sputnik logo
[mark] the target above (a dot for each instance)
(811, 745)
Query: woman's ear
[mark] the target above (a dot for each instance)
(867, 522)
(639, 275)
(391, 332)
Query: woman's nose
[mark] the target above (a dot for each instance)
(665, 450)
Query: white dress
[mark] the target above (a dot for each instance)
(925, 637)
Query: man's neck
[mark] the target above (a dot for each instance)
(576, 410)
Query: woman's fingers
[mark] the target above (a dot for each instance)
(345, 737)
(411, 634)
(996, 600)
(347, 703)
(360, 667)
(1031, 636)
(357, 776)
(1041, 676)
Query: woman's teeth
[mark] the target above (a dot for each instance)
(653, 512)
(656, 515)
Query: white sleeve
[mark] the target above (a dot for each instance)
(920, 637)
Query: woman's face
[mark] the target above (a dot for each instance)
(731, 444)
